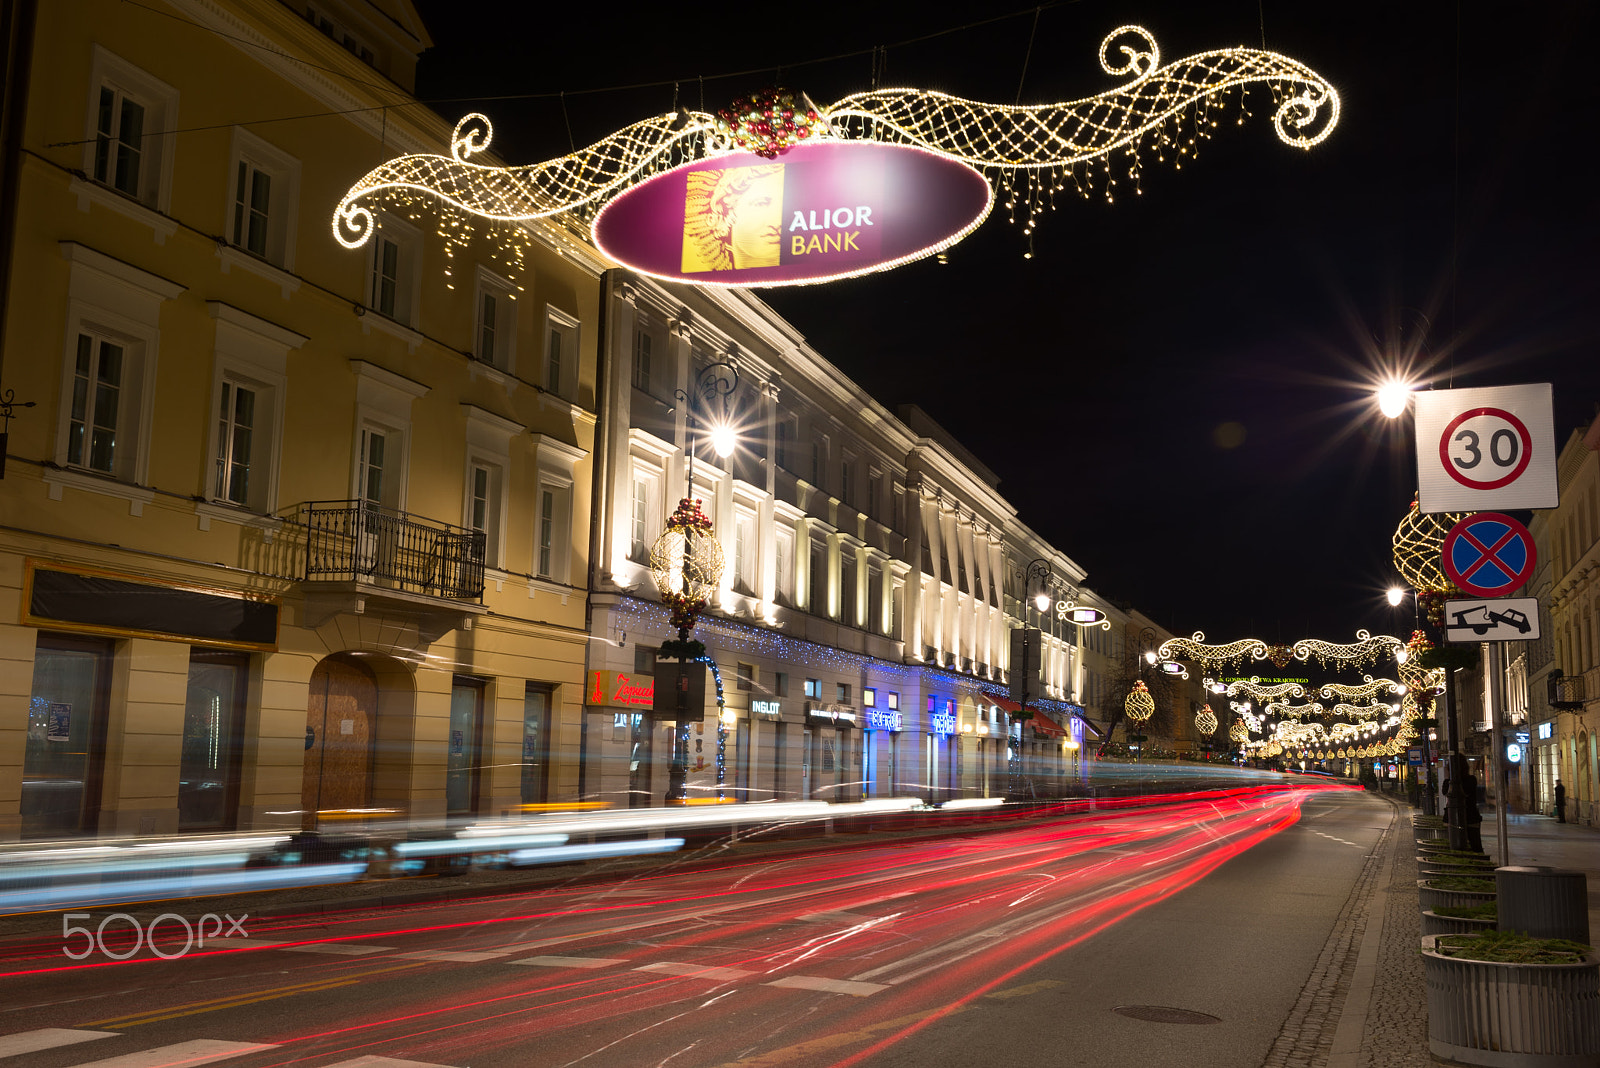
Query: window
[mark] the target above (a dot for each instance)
(639, 538)
(893, 700)
(781, 448)
(818, 604)
(875, 494)
(560, 353)
(483, 509)
(264, 190)
(236, 424)
(814, 689)
(641, 360)
(497, 321)
(744, 553)
(64, 745)
(842, 689)
(395, 279)
(783, 562)
(746, 677)
(816, 464)
(780, 684)
(547, 526)
(551, 528)
(127, 148)
(846, 481)
(644, 659)
(97, 389)
(847, 588)
(213, 735)
(376, 482)
(869, 697)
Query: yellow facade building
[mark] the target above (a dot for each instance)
(289, 528)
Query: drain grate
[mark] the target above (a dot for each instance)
(1165, 1014)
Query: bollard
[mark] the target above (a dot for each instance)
(1543, 902)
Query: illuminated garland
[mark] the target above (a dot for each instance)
(1254, 688)
(1211, 657)
(1239, 733)
(1365, 650)
(1283, 708)
(1363, 712)
(1161, 110)
(1371, 687)
(722, 730)
(1205, 721)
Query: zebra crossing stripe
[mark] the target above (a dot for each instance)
(181, 1054)
(46, 1038)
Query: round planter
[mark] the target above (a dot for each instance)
(1435, 924)
(1433, 870)
(1429, 898)
(1504, 1015)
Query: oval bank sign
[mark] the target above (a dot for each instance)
(821, 211)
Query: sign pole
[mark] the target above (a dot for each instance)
(1491, 692)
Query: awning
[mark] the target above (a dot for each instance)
(1004, 703)
(1046, 724)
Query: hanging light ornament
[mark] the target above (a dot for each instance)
(1205, 721)
(1419, 548)
(1139, 706)
(686, 562)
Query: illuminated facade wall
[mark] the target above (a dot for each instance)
(872, 581)
(1574, 547)
(233, 410)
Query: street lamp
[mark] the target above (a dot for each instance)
(686, 561)
(1022, 671)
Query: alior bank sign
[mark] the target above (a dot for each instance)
(820, 211)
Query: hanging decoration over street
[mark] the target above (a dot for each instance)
(1418, 542)
(1021, 155)
(1205, 721)
(1139, 705)
(686, 563)
(1370, 687)
(1255, 688)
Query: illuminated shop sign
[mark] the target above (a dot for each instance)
(883, 719)
(838, 715)
(942, 722)
(766, 708)
(826, 210)
(621, 689)
(1546, 729)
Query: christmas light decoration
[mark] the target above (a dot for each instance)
(1365, 650)
(1263, 692)
(1205, 721)
(1282, 708)
(1139, 705)
(1084, 616)
(1370, 687)
(1212, 657)
(686, 563)
(1239, 734)
(1031, 152)
(1419, 547)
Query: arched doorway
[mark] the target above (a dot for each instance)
(341, 710)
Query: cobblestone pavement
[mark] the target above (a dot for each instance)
(1396, 1032)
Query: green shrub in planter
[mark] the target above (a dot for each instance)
(1486, 911)
(1500, 998)
(1435, 922)
(1454, 890)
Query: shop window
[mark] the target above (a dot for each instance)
(461, 750)
(63, 752)
(536, 744)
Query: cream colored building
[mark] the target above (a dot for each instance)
(1572, 533)
(289, 527)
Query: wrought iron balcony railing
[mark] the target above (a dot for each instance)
(354, 541)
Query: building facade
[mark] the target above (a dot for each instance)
(291, 532)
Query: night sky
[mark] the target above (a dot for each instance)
(1175, 388)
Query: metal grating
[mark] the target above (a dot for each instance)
(1165, 1014)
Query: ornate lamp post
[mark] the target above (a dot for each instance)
(1022, 667)
(686, 561)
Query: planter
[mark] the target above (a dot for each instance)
(1544, 1015)
(1432, 869)
(1434, 924)
(1429, 898)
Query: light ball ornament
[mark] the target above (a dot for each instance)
(1205, 721)
(1139, 706)
(1239, 733)
(686, 562)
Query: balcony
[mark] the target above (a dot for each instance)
(354, 554)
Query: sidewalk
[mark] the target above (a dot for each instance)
(1383, 1022)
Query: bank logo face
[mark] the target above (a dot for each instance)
(832, 210)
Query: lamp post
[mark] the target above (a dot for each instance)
(1022, 667)
(687, 576)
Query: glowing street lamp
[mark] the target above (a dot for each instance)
(1393, 396)
(1395, 595)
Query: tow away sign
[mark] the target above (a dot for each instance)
(1484, 449)
(1492, 619)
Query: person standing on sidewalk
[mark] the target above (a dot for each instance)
(1561, 802)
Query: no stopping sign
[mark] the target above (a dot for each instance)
(1483, 449)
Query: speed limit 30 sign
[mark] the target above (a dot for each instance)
(1485, 449)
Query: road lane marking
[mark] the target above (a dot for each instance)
(46, 1038)
(181, 1054)
(383, 1062)
(831, 986)
(699, 971)
(569, 962)
(461, 956)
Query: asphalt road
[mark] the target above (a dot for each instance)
(1014, 943)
